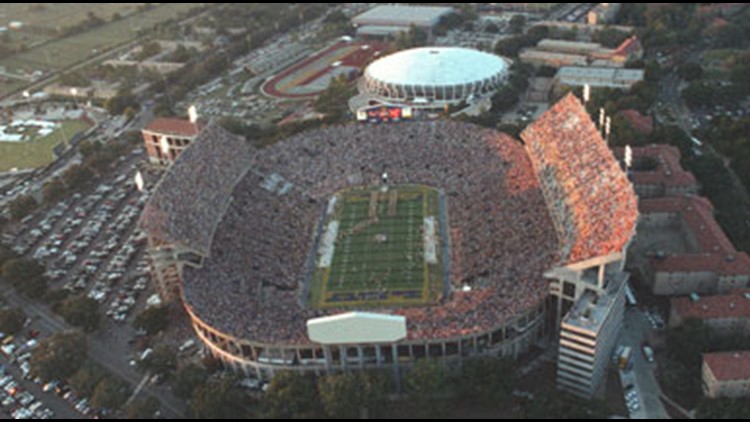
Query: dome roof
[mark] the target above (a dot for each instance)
(437, 66)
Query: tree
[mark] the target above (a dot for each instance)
(142, 408)
(724, 408)
(161, 362)
(292, 395)
(82, 312)
(219, 400)
(557, 405)
(333, 101)
(517, 23)
(6, 253)
(77, 176)
(53, 191)
(27, 276)
(609, 37)
(85, 380)
(89, 148)
(12, 320)
(348, 395)
(121, 101)
(152, 320)
(187, 379)
(426, 384)
(487, 381)
(691, 71)
(110, 394)
(60, 356)
(22, 206)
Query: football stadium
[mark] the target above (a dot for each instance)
(479, 243)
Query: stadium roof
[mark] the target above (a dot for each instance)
(437, 66)
(395, 15)
(357, 327)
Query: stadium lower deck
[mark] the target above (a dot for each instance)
(380, 246)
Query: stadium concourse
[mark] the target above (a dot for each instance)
(241, 228)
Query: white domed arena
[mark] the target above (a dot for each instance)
(432, 77)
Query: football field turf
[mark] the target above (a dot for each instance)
(378, 257)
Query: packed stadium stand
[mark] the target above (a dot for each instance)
(240, 227)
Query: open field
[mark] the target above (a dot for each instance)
(57, 16)
(59, 54)
(38, 152)
(379, 256)
(43, 22)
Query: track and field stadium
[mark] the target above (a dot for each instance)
(451, 226)
(311, 76)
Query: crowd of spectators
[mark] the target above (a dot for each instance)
(504, 204)
(251, 285)
(191, 197)
(590, 198)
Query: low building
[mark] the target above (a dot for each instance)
(98, 90)
(726, 375)
(598, 77)
(165, 138)
(656, 172)
(560, 53)
(389, 20)
(693, 254)
(727, 314)
(643, 124)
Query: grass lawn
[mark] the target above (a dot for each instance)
(68, 51)
(37, 153)
(379, 259)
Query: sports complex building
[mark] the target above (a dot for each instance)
(362, 246)
(431, 78)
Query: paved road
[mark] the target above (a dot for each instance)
(642, 375)
(100, 349)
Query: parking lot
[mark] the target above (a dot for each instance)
(90, 245)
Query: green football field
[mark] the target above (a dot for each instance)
(379, 253)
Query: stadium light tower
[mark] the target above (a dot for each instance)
(139, 181)
(193, 114)
(586, 93)
(164, 144)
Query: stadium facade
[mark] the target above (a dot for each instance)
(536, 242)
(431, 78)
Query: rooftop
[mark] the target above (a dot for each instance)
(728, 366)
(717, 251)
(396, 15)
(732, 305)
(600, 73)
(437, 66)
(174, 126)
